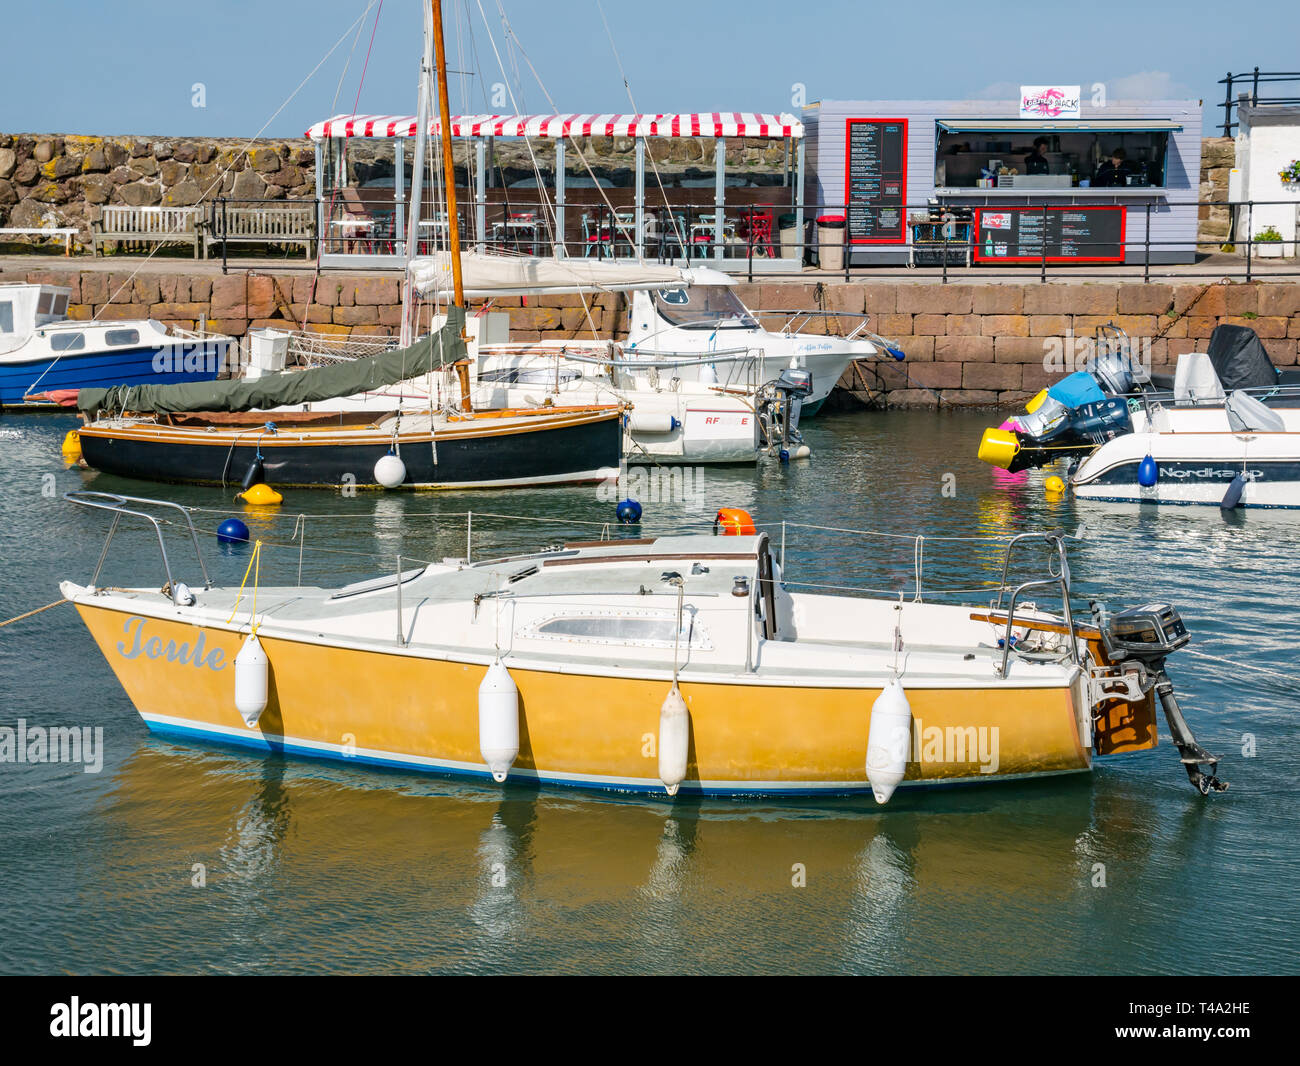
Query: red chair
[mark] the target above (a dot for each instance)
(760, 234)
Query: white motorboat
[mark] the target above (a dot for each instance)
(1224, 430)
(707, 318)
(686, 325)
(1241, 454)
(42, 351)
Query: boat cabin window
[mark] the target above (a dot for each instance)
(703, 307)
(6, 316)
(122, 336)
(61, 304)
(45, 303)
(67, 342)
(648, 632)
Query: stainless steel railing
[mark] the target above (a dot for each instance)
(117, 505)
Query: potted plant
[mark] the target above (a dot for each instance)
(1290, 174)
(1268, 243)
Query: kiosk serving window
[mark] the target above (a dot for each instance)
(995, 154)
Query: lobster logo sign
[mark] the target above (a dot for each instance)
(1049, 101)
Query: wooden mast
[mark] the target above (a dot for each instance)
(449, 170)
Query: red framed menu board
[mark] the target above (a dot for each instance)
(1071, 234)
(875, 180)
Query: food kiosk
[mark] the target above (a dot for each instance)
(918, 181)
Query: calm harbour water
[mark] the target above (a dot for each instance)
(319, 867)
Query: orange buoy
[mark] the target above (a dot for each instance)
(734, 522)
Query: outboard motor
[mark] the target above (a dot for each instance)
(1112, 361)
(1066, 421)
(779, 403)
(1147, 636)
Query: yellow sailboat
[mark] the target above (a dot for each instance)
(680, 662)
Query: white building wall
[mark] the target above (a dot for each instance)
(1268, 138)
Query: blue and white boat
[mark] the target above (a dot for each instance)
(42, 351)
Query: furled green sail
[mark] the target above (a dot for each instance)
(292, 387)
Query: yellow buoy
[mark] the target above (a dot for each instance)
(998, 447)
(71, 446)
(1037, 402)
(260, 495)
(1053, 486)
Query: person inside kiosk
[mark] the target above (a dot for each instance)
(1114, 171)
(1036, 162)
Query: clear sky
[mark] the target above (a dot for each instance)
(73, 66)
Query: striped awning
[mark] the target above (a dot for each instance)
(704, 124)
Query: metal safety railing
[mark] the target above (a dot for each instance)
(1058, 579)
(1255, 79)
(117, 505)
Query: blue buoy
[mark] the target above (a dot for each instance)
(1148, 472)
(897, 353)
(785, 455)
(629, 512)
(231, 531)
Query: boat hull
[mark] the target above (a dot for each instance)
(487, 453)
(169, 364)
(587, 730)
(1194, 468)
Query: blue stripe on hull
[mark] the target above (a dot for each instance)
(260, 743)
(89, 370)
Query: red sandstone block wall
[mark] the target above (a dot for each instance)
(966, 343)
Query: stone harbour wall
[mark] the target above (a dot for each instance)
(49, 180)
(966, 345)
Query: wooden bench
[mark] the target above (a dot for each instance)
(261, 224)
(145, 225)
(67, 233)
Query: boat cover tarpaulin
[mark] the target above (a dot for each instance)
(486, 276)
(292, 387)
(1240, 359)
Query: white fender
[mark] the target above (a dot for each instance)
(889, 740)
(651, 422)
(390, 471)
(674, 739)
(498, 720)
(252, 671)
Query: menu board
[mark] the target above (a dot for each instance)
(875, 180)
(1070, 234)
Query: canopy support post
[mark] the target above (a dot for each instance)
(639, 219)
(480, 191)
(797, 146)
(399, 194)
(720, 185)
(561, 248)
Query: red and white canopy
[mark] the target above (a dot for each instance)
(704, 124)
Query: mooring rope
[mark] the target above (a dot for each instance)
(28, 614)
